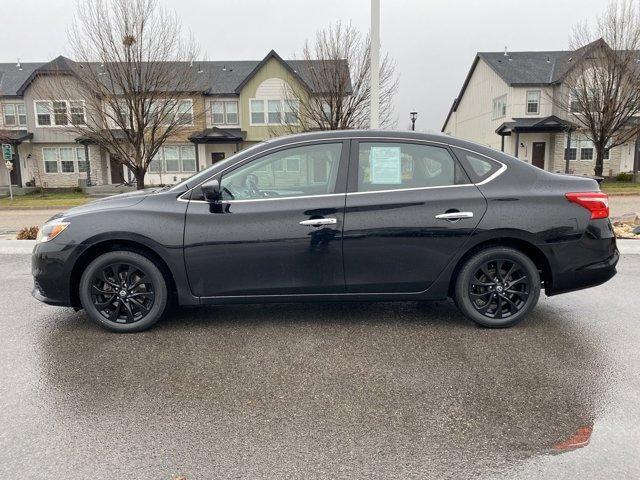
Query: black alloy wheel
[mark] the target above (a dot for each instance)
(497, 287)
(123, 291)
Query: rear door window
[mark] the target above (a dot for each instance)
(477, 166)
(401, 166)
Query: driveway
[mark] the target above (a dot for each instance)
(402, 390)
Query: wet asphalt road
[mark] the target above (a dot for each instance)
(400, 390)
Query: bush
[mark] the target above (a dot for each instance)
(624, 177)
(28, 233)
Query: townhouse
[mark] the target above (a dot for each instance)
(507, 102)
(242, 103)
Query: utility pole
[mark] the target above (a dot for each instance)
(375, 65)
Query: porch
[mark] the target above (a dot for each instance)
(538, 141)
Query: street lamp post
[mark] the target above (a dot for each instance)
(413, 116)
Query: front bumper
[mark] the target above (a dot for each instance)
(51, 267)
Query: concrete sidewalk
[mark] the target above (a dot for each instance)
(16, 247)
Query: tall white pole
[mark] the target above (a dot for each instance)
(375, 64)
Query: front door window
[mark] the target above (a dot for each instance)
(300, 171)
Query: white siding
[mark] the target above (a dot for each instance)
(472, 119)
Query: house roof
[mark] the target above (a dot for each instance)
(14, 136)
(210, 77)
(12, 77)
(215, 135)
(534, 124)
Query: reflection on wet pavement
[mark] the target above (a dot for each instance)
(403, 390)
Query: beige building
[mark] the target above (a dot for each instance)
(243, 103)
(507, 102)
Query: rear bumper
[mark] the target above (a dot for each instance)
(584, 263)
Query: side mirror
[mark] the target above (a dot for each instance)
(211, 191)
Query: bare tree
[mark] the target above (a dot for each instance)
(336, 71)
(133, 74)
(601, 89)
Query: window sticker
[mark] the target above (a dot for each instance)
(386, 167)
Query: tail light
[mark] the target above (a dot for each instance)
(596, 202)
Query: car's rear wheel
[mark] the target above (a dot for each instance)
(497, 287)
(123, 291)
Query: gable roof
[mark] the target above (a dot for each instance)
(271, 55)
(211, 77)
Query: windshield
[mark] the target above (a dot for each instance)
(204, 174)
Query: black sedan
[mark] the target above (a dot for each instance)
(334, 216)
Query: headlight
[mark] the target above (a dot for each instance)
(51, 230)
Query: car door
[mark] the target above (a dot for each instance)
(410, 207)
(277, 229)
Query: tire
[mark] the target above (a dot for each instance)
(505, 302)
(141, 300)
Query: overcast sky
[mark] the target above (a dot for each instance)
(432, 41)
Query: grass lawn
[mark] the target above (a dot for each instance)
(50, 199)
(620, 187)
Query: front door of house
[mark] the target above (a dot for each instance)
(117, 174)
(216, 157)
(537, 154)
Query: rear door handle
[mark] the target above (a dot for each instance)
(454, 215)
(318, 222)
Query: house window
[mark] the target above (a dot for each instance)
(278, 111)
(275, 111)
(43, 114)
(606, 154)
(174, 159)
(291, 108)
(59, 113)
(171, 159)
(9, 113)
(14, 114)
(224, 112)
(22, 114)
(499, 107)
(257, 112)
(570, 153)
(574, 105)
(533, 102)
(50, 157)
(184, 114)
(77, 112)
(67, 157)
(586, 154)
(188, 159)
(217, 113)
(231, 111)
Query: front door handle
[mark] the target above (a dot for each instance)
(454, 215)
(318, 222)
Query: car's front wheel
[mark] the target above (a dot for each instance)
(123, 291)
(497, 287)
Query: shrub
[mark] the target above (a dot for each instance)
(624, 177)
(28, 233)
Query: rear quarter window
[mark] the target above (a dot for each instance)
(478, 167)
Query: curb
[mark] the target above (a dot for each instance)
(25, 247)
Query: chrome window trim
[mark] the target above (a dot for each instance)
(495, 175)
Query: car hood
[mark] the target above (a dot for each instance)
(123, 200)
